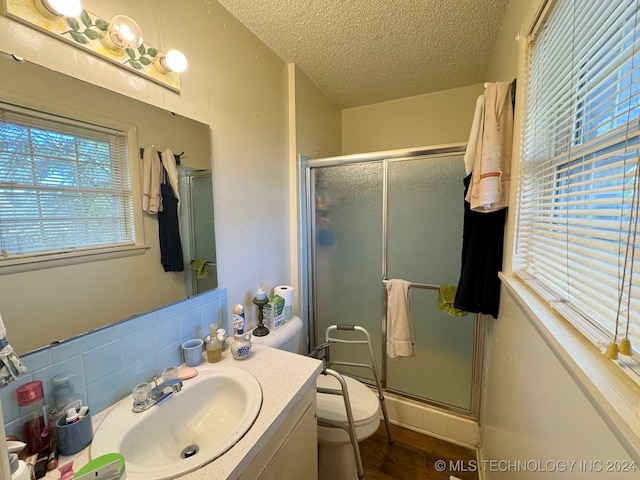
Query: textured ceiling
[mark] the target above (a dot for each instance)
(360, 52)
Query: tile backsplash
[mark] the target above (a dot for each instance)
(109, 362)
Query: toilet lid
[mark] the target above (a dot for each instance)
(364, 403)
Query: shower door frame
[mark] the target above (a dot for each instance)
(186, 178)
(307, 220)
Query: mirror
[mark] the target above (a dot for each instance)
(52, 304)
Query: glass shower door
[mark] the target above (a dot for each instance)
(347, 249)
(424, 244)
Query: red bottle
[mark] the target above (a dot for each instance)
(31, 403)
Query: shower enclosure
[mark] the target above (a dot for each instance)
(389, 215)
(197, 228)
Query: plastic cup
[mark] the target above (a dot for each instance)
(192, 351)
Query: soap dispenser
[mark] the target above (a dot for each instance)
(213, 345)
(64, 398)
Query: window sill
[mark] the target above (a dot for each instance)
(613, 394)
(27, 264)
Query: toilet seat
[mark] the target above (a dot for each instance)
(365, 408)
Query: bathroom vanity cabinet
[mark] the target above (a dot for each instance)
(292, 451)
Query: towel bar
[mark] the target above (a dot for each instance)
(426, 286)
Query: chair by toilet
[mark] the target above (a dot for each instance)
(347, 410)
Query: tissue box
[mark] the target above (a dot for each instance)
(274, 312)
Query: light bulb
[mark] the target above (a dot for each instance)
(123, 32)
(54, 9)
(68, 8)
(176, 61)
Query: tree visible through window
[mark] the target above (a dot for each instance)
(64, 185)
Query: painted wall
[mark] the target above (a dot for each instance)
(533, 409)
(235, 84)
(315, 131)
(430, 119)
(318, 123)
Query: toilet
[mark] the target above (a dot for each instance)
(336, 459)
(288, 337)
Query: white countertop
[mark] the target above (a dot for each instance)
(283, 376)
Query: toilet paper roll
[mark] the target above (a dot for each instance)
(286, 292)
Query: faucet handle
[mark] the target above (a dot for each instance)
(169, 373)
(141, 393)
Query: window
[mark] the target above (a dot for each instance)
(65, 186)
(579, 180)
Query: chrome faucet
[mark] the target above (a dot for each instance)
(145, 397)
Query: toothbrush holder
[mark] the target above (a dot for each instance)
(74, 437)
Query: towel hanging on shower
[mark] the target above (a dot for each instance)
(446, 297)
(152, 171)
(400, 341)
(171, 170)
(491, 172)
(474, 135)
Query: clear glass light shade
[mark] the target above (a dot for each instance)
(123, 33)
(176, 61)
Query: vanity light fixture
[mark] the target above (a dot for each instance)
(119, 40)
(173, 61)
(54, 9)
(123, 32)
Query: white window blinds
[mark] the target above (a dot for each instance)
(579, 189)
(64, 185)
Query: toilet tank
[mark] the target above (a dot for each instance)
(288, 337)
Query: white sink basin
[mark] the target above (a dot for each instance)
(213, 411)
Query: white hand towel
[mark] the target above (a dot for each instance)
(400, 341)
(169, 162)
(489, 189)
(151, 199)
(475, 136)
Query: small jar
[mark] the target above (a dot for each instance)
(31, 403)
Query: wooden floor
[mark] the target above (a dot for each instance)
(414, 456)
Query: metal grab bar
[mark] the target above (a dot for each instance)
(425, 286)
